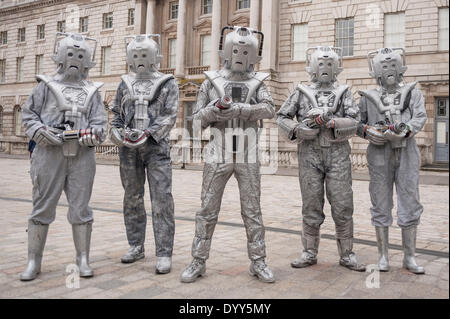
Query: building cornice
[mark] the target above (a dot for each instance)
(30, 5)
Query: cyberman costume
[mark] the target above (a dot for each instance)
(66, 118)
(391, 115)
(326, 118)
(232, 99)
(145, 111)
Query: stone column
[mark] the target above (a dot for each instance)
(151, 14)
(216, 26)
(270, 10)
(139, 16)
(254, 14)
(181, 39)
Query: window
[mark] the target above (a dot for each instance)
(107, 20)
(394, 30)
(299, 41)
(172, 53)
(243, 4)
(2, 71)
(61, 26)
(17, 120)
(344, 35)
(39, 64)
(1, 119)
(206, 50)
(19, 70)
(84, 24)
(40, 31)
(207, 6)
(106, 60)
(4, 37)
(443, 28)
(173, 10)
(130, 16)
(21, 35)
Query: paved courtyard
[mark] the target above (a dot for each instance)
(226, 275)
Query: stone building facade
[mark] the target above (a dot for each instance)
(190, 32)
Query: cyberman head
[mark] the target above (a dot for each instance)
(324, 63)
(143, 53)
(73, 54)
(240, 51)
(387, 65)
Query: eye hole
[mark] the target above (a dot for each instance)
(245, 52)
(329, 64)
(235, 51)
(393, 65)
(144, 55)
(70, 54)
(135, 56)
(80, 56)
(320, 64)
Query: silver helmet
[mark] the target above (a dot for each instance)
(387, 65)
(73, 54)
(324, 63)
(241, 50)
(143, 53)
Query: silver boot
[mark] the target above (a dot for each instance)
(311, 248)
(82, 240)
(163, 265)
(37, 235)
(260, 269)
(409, 249)
(196, 269)
(383, 244)
(348, 257)
(134, 253)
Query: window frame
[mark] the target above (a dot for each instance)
(241, 2)
(40, 28)
(303, 58)
(202, 51)
(17, 120)
(81, 24)
(2, 70)
(38, 63)
(393, 30)
(347, 37)
(446, 30)
(19, 69)
(171, 11)
(104, 60)
(19, 35)
(131, 17)
(4, 37)
(107, 21)
(61, 26)
(205, 5)
(171, 65)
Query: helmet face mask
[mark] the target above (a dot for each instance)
(240, 51)
(387, 66)
(143, 54)
(73, 55)
(324, 63)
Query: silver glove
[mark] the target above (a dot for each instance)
(227, 114)
(374, 136)
(303, 132)
(91, 138)
(45, 137)
(115, 135)
(135, 138)
(393, 137)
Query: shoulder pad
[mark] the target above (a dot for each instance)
(211, 75)
(261, 76)
(98, 84)
(44, 78)
(409, 86)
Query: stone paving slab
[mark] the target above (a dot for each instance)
(226, 275)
